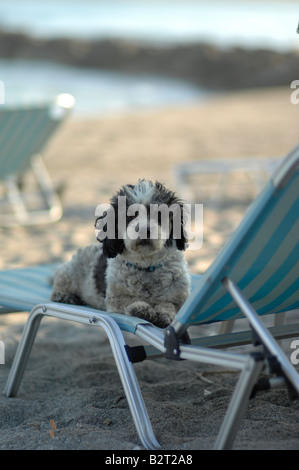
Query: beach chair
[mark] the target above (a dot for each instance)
(256, 273)
(256, 169)
(24, 132)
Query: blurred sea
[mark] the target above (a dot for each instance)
(96, 92)
(268, 24)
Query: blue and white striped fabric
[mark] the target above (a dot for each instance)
(23, 133)
(22, 289)
(261, 257)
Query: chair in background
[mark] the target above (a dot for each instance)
(24, 132)
(255, 274)
(223, 174)
(256, 169)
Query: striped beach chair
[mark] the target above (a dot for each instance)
(24, 132)
(255, 274)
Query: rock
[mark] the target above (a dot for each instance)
(206, 65)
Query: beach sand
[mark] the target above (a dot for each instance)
(71, 377)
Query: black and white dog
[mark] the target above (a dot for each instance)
(138, 268)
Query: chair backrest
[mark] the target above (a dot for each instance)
(261, 256)
(24, 131)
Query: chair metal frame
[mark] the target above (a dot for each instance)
(174, 344)
(250, 365)
(30, 158)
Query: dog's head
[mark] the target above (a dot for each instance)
(142, 220)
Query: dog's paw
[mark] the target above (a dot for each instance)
(66, 298)
(142, 310)
(160, 316)
(165, 313)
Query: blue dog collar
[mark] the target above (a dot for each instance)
(149, 268)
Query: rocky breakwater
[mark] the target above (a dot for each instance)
(204, 64)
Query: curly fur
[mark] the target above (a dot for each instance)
(115, 275)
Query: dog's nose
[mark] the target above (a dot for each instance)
(143, 241)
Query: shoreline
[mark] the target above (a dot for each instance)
(204, 64)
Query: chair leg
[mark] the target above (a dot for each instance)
(238, 404)
(47, 188)
(263, 333)
(23, 352)
(15, 199)
(23, 215)
(117, 343)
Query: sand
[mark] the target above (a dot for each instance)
(71, 377)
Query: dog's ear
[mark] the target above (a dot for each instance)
(181, 241)
(111, 248)
(105, 235)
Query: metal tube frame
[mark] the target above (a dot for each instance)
(21, 214)
(263, 333)
(250, 367)
(117, 343)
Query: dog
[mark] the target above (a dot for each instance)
(138, 268)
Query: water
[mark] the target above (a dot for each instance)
(96, 92)
(245, 23)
